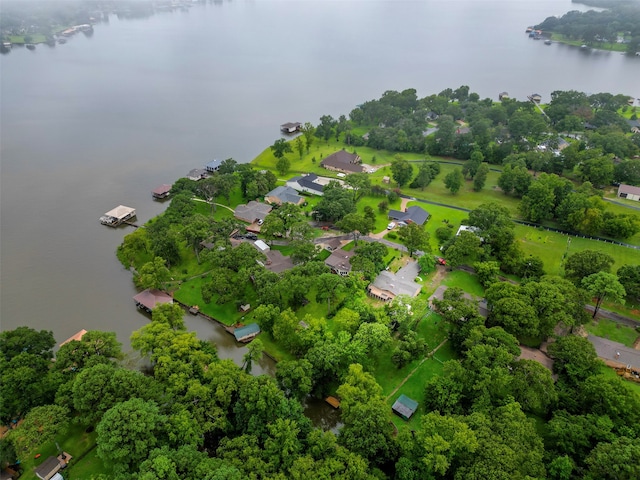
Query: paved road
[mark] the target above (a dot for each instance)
(616, 317)
(615, 352)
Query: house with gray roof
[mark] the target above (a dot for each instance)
(197, 174)
(343, 161)
(340, 262)
(414, 214)
(388, 285)
(213, 166)
(283, 194)
(310, 183)
(629, 192)
(252, 211)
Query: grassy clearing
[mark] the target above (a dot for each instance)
(464, 280)
(77, 443)
(415, 386)
(610, 46)
(20, 39)
(189, 293)
(551, 248)
(613, 331)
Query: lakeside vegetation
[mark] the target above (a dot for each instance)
(478, 400)
(617, 28)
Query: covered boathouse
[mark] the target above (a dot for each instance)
(117, 216)
(150, 298)
(247, 333)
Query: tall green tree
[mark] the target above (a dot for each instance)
(280, 147)
(153, 274)
(582, 264)
(401, 171)
(603, 285)
(415, 238)
(453, 180)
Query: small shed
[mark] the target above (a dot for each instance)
(261, 246)
(48, 469)
(404, 407)
(247, 333)
(386, 180)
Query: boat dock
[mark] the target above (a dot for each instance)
(119, 215)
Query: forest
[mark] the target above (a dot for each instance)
(484, 411)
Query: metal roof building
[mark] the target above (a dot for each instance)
(405, 407)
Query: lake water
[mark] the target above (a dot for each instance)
(102, 120)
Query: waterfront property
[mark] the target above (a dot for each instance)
(117, 216)
(149, 299)
(405, 407)
(290, 127)
(343, 161)
(213, 166)
(197, 174)
(161, 192)
(629, 192)
(414, 214)
(247, 333)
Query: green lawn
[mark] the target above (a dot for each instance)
(415, 386)
(464, 280)
(613, 331)
(79, 444)
(551, 248)
(189, 293)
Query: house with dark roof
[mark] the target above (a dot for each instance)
(283, 194)
(634, 125)
(629, 192)
(252, 211)
(343, 161)
(340, 262)
(414, 214)
(310, 183)
(290, 127)
(405, 407)
(150, 298)
(213, 166)
(276, 262)
(48, 469)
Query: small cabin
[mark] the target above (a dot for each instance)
(405, 407)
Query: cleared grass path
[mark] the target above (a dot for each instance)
(410, 374)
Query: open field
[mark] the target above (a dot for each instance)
(613, 331)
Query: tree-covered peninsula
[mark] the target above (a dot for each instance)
(444, 269)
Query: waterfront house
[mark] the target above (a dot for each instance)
(536, 97)
(150, 298)
(118, 215)
(290, 127)
(340, 262)
(629, 192)
(283, 194)
(405, 407)
(414, 214)
(213, 166)
(343, 161)
(197, 174)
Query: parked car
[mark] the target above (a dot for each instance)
(391, 226)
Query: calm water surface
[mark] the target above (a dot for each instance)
(102, 120)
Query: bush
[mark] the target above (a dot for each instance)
(392, 236)
(392, 196)
(383, 206)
